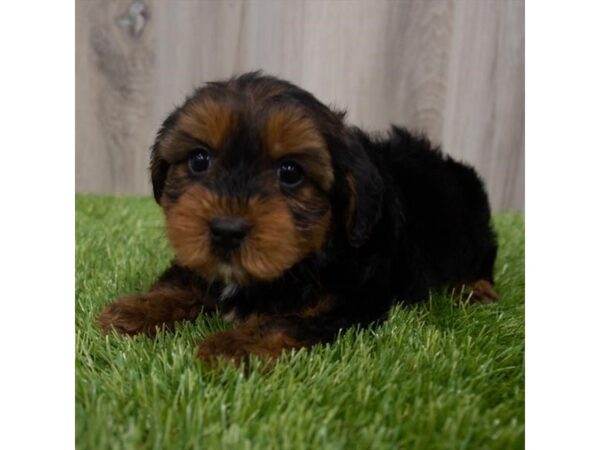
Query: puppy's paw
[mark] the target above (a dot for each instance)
(479, 292)
(224, 347)
(126, 316)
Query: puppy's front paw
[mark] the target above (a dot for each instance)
(226, 346)
(126, 316)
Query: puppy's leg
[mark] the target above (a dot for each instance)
(175, 296)
(268, 337)
(479, 292)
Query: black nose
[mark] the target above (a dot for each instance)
(227, 233)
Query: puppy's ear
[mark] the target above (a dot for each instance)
(158, 174)
(159, 166)
(365, 189)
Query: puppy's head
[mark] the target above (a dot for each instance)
(254, 174)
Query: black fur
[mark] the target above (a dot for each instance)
(424, 224)
(420, 221)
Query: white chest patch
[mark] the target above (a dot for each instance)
(229, 291)
(230, 316)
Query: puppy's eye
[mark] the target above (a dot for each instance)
(290, 173)
(199, 160)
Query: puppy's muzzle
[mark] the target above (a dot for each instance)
(227, 233)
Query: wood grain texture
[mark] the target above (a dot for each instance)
(115, 86)
(452, 69)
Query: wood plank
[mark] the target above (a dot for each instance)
(484, 115)
(114, 93)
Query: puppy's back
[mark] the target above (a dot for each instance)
(445, 207)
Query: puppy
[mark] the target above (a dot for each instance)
(295, 225)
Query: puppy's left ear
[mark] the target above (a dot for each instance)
(365, 189)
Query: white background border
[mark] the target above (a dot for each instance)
(562, 205)
(37, 217)
(562, 217)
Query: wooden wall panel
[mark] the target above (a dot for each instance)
(452, 69)
(115, 88)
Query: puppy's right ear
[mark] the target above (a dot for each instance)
(158, 173)
(158, 165)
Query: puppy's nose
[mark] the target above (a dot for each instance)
(227, 233)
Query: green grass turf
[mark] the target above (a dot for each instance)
(435, 376)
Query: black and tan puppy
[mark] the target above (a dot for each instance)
(296, 225)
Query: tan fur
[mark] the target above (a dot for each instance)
(322, 305)
(478, 292)
(160, 308)
(272, 246)
(256, 336)
(209, 121)
(290, 131)
(351, 183)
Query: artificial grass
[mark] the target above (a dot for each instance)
(435, 376)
